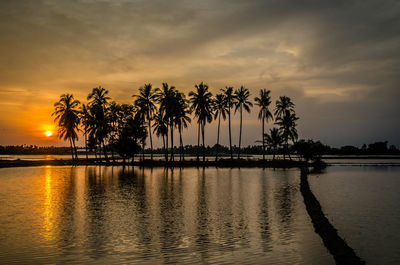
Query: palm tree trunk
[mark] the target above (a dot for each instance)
(86, 149)
(240, 132)
(72, 149)
(105, 152)
(151, 139)
(219, 124)
(165, 151)
(112, 149)
(101, 160)
(76, 152)
(166, 145)
(204, 147)
(230, 133)
(198, 141)
(263, 147)
(181, 143)
(172, 142)
(142, 150)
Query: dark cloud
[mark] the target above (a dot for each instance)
(339, 60)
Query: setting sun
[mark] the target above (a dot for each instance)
(49, 133)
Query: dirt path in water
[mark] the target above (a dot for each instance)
(342, 253)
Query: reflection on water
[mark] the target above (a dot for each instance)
(125, 215)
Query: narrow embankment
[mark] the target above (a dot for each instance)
(342, 253)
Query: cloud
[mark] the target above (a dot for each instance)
(339, 60)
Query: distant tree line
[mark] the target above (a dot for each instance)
(33, 150)
(109, 127)
(376, 148)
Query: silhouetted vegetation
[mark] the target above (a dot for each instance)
(310, 150)
(109, 127)
(33, 150)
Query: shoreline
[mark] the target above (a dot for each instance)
(227, 163)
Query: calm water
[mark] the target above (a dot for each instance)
(363, 203)
(110, 215)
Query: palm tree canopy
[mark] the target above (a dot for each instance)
(67, 116)
(99, 96)
(287, 125)
(145, 101)
(221, 106)
(241, 96)
(282, 105)
(160, 124)
(263, 101)
(274, 139)
(229, 96)
(168, 98)
(202, 103)
(182, 111)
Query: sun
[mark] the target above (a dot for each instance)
(48, 133)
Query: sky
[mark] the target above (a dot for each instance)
(338, 61)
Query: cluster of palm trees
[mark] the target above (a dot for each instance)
(110, 127)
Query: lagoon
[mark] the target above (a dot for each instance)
(89, 214)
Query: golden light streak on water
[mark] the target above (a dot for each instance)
(48, 223)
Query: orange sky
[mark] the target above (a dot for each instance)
(333, 59)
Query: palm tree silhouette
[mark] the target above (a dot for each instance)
(273, 140)
(221, 109)
(85, 120)
(181, 118)
(98, 103)
(167, 99)
(161, 129)
(286, 119)
(283, 104)
(263, 101)
(67, 116)
(229, 97)
(113, 113)
(241, 102)
(202, 105)
(287, 126)
(146, 102)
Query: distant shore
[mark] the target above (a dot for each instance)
(228, 163)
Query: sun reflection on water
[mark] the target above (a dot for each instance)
(48, 224)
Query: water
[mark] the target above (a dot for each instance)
(107, 215)
(363, 203)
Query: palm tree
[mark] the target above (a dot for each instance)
(113, 113)
(283, 104)
(202, 105)
(221, 109)
(167, 99)
(241, 102)
(98, 102)
(181, 119)
(67, 116)
(229, 97)
(287, 126)
(161, 129)
(263, 101)
(273, 140)
(85, 119)
(146, 100)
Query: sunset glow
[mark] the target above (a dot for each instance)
(48, 133)
(330, 71)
